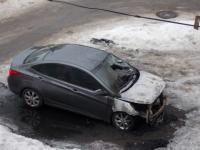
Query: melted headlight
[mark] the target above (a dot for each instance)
(140, 107)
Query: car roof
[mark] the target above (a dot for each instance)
(78, 55)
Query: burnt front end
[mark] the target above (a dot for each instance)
(153, 113)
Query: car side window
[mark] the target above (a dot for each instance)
(83, 79)
(57, 71)
(69, 74)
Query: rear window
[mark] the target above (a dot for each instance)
(36, 55)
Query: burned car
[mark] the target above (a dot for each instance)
(87, 81)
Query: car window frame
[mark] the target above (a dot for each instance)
(67, 83)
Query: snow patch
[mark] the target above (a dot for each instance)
(96, 145)
(4, 68)
(11, 141)
(187, 137)
(10, 8)
(134, 33)
(186, 91)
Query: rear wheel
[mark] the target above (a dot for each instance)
(123, 121)
(32, 98)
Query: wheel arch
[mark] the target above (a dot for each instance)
(25, 88)
(123, 106)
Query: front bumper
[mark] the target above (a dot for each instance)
(154, 113)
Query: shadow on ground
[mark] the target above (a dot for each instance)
(47, 124)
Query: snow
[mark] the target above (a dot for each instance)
(11, 141)
(9, 8)
(168, 50)
(135, 34)
(4, 72)
(96, 145)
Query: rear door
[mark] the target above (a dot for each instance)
(54, 90)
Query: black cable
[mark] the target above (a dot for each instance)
(121, 13)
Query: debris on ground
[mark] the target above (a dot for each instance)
(3, 85)
(102, 41)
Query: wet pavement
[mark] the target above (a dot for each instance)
(51, 124)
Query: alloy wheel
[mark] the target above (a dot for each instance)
(123, 121)
(32, 98)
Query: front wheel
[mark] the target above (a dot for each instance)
(32, 98)
(123, 121)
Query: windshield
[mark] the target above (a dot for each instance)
(115, 73)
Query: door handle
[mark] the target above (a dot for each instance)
(43, 79)
(40, 78)
(74, 90)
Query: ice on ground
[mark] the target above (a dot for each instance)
(10, 8)
(96, 145)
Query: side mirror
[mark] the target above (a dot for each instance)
(100, 92)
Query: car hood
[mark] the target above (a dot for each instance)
(146, 90)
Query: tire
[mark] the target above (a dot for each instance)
(123, 121)
(32, 98)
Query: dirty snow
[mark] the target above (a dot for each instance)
(135, 34)
(11, 141)
(4, 72)
(168, 50)
(96, 145)
(10, 8)
(187, 137)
